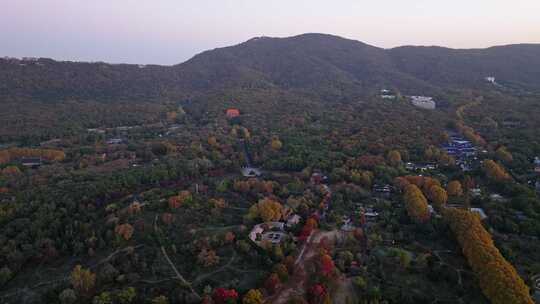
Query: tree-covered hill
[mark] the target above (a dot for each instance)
(326, 65)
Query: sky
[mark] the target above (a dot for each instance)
(172, 31)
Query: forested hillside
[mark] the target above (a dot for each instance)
(298, 170)
(328, 65)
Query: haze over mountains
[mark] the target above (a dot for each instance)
(316, 63)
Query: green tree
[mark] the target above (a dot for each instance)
(103, 298)
(127, 295)
(68, 296)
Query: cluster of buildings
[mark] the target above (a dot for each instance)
(420, 167)
(383, 191)
(387, 94)
(31, 162)
(273, 232)
(490, 79)
(462, 150)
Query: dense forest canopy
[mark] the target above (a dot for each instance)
(309, 169)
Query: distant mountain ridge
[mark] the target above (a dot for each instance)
(320, 64)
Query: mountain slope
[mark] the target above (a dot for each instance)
(308, 62)
(324, 65)
(514, 64)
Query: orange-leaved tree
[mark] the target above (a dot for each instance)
(498, 279)
(454, 188)
(416, 204)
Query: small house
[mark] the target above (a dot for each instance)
(348, 225)
(31, 162)
(115, 141)
(409, 166)
(382, 190)
(476, 192)
(424, 102)
(232, 113)
(480, 212)
(273, 232)
(293, 220)
(520, 215)
(318, 178)
(497, 197)
(251, 172)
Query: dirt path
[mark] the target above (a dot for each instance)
(295, 286)
(173, 267)
(345, 292)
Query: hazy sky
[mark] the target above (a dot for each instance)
(172, 31)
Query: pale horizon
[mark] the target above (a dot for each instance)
(168, 32)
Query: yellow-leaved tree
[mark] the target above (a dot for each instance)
(498, 279)
(454, 188)
(394, 158)
(83, 280)
(416, 204)
(253, 296)
(267, 209)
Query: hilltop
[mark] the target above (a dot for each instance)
(324, 64)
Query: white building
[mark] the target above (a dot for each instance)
(273, 232)
(476, 192)
(251, 172)
(424, 102)
(293, 220)
(480, 212)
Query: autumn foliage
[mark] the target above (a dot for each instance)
(454, 188)
(471, 134)
(276, 144)
(503, 154)
(495, 172)
(207, 257)
(326, 265)
(308, 227)
(125, 231)
(10, 171)
(11, 154)
(267, 209)
(416, 204)
(272, 283)
(394, 158)
(223, 296)
(317, 293)
(438, 196)
(254, 185)
(498, 279)
(83, 280)
(253, 296)
(177, 201)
